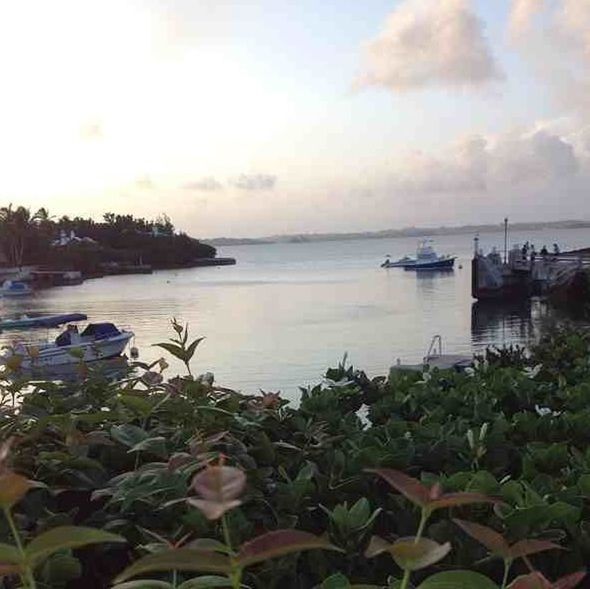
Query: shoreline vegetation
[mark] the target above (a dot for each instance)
(428, 480)
(392, 233)
(117, 244)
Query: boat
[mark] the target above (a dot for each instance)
(426, 259)
(15, 288)
(98, 341)
(31, 320)
(397, 264)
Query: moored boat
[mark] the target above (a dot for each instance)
(15, 288)
(98, 341)
(31, 320)
(426, 259)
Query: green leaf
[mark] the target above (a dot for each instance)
(206, 582)
(60, 569)
(144, 584)
(190, 351)
(337, 581)
(173, 349)
(279, 543)
(128, 434)
(458, 580)
(413, 556)
(156, 446)
(183, 559)
(63, 537)
(9, 554)
(359, 513)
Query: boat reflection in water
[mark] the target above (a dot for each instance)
(112, 369)
(495, 323)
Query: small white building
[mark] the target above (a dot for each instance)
(66, 238)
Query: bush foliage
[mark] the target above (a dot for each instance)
(434, 480)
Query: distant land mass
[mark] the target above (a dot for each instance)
(405, 232)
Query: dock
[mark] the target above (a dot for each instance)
(213, 262)
(520, 274)
(49, 278)
(435, 358)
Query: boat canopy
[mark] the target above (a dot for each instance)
(101, 330)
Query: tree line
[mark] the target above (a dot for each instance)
(26, 237)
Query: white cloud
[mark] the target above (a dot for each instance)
(254, 181)
(205, 184)
(522, 14)
(478, 164)
(429, 43)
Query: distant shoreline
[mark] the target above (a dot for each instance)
(392, 233)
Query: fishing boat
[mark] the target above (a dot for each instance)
(98, 341)
(15, 288)
(426, 259)
(31, 320)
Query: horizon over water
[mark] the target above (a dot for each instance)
(288, 311)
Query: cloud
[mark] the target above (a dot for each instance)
(254, 181)
(531, 162)
(522, 14)
(429, 43)
(206, 184)
(557, 45)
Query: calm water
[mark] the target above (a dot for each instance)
(286, 312)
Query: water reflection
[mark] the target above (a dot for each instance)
(111, 370)
(498, 323)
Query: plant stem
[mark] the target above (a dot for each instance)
(423, 520)
(27, 576)
(236, 572)
(507, 565)
(405, 580)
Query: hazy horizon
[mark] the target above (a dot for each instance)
(259, 118)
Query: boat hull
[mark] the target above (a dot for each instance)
(46, 356)
(446, 264)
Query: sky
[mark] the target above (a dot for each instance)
(261, 117)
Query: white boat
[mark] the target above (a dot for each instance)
(98, 341)
(15, 288)
(426, 259)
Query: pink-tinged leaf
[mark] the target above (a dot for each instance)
(183, 559)
(530, 581)
(213, 510)
(528, 547)
(570, 581)
(279, 543)
(412, 556)
(377, 546)
(459, 499)
(411, 488)
(493, 541)
(7, 570)
(13, 487)
(220, 483)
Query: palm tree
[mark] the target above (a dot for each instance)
(16, 228)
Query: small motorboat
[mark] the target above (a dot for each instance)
(426, 259)
(15, 288)
(98, 341)
(31, 320)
